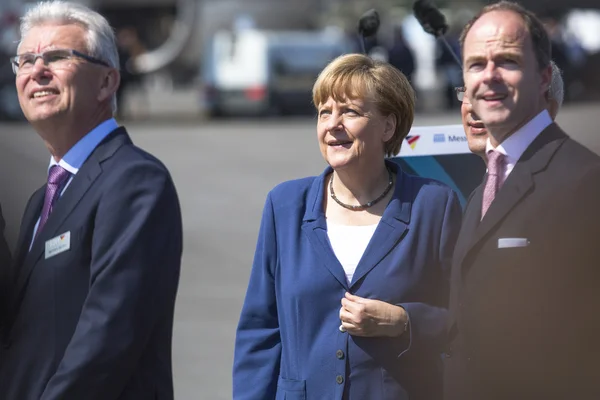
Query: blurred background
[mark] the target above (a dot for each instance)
(220, 90)
(215, 58)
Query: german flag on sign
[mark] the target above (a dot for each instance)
(412, 141)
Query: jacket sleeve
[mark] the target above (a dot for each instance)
(134, 274)
(427, 321)
(258, 343)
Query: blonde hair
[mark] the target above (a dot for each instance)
(354, 76)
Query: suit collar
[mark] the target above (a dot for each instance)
(76, 156)
(517, 143)
(390, 230)
(543, 148)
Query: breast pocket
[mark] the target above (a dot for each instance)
(290, 389)
(508, 243)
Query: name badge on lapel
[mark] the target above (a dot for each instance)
(58, 244)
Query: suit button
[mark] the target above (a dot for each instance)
(339, 379)
(339, 354)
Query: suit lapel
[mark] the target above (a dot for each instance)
(30, 217)
(316, 232)
(65, 205)
(63, 208)
(519, 184)
(390, 230)
(314, 226)
(470, 222)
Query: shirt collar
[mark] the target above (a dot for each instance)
(77, 154)
(516, 144)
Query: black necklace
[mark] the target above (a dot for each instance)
(366, 205)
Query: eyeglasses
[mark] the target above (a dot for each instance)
(23, 63)
(460, 92)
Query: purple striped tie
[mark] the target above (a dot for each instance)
(57, 176)
(496, 164)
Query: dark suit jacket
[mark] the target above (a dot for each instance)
(524, 321)
(95, 322)
(288, 344)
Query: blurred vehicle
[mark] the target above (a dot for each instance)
(258, 72)
(175, 32)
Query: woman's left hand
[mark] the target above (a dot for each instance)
(371, 318)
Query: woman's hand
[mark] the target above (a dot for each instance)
(371, 318)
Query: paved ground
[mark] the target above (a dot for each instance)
(223, 171)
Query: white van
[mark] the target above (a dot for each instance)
(256, 72)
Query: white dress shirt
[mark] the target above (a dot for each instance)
(516, 144)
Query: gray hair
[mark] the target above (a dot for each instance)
(100, 36)
(556, 90)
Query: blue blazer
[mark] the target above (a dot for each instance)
(288, 344)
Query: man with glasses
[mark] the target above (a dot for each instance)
(475, 129)
(91, 299)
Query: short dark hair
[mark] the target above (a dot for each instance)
(542, 47)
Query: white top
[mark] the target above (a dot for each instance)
(349, 242)
(516, 144)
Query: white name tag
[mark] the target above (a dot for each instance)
(58, 244)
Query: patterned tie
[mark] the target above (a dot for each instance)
(496, 164)
(57, 176)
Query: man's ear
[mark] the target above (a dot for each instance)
(111, 80)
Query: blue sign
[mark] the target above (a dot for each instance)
(439, 138)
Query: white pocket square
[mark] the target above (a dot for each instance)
(504, 243)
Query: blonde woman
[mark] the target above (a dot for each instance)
(349, 287)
